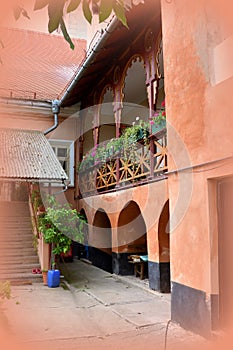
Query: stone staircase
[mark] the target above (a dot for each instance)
(17, 255)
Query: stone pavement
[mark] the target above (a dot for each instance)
(92, 309)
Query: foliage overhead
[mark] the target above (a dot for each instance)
(58, 8)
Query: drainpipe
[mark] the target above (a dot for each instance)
(55, 110)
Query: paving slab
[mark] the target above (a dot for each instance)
(91, 309)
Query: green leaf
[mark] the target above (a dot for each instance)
(105, 10)
(73, 5)
(119, 10)
(86, 10)
(66, 34)
(39, 4)
(17, 12)
(24, 13)
(55, 11)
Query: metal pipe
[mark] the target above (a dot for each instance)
(55, 110)
(65, 188)
(94, 51)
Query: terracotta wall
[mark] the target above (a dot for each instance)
(199, 114)
(197, 108)
(18, 117)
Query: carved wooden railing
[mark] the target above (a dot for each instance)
(146, 161)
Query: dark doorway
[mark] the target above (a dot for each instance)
(164, 250)
(132, 239)
(225, 245)
(101, 242)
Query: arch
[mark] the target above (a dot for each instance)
(101, 241)
(133, 59)
(164, 249)
(134, 91)
(131, 237)
(106, 114)
(163, 234)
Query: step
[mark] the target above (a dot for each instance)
(15, 225)
(14, 212)
(14, 252)
(18, 229)
(18, 268)
(11, 217)
(15, 234)
(28, 243)
(21, 278)
(31, 259)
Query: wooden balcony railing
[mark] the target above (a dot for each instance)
(146, 161)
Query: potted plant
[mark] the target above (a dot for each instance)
(158, 121)
(131, 136)
(59, 225)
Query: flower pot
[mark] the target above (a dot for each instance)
(158, 126)
(45, 277)
(141, 134)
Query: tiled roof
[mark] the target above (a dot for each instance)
(36, 65)
(26, 154)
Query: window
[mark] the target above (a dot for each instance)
(64, 151)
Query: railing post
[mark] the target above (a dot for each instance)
(117, 171)
(152, 159)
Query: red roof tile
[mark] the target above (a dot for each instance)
(37, 65)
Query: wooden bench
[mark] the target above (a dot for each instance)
(139, 264)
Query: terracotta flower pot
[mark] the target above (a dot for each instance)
(45, 277)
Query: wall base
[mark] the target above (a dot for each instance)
(100, 259)
(190, 308)
(159, 276)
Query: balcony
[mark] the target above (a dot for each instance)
(142, 162)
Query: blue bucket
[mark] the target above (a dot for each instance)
(53, 278)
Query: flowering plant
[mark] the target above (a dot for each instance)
(159, 116)
(125, 145)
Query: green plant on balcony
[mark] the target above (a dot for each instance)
(139, 131)
(158, 120)
(124, 146)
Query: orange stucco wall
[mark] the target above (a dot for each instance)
(18, 117)
(197, 109)
(199, 114)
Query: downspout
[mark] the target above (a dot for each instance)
(55, 110)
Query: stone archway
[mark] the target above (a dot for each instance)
(101, 241)
(107, 127)
(159, 269)
(135, 99)
(131, 236)
(164, 250)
